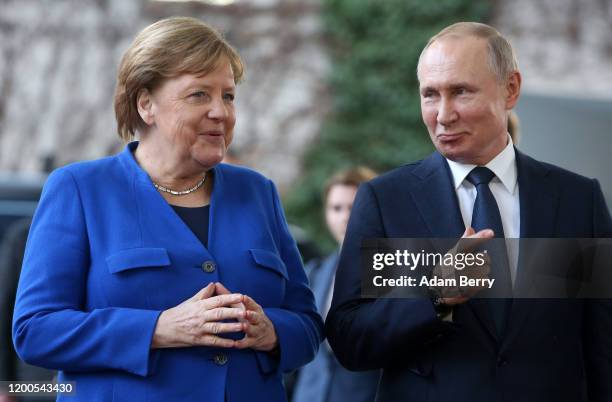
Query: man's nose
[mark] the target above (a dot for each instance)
(447, 114)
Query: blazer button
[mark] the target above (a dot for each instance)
(208, 266)
(220, 359)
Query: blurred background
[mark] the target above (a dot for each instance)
(330, 84)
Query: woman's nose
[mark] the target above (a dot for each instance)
(218, 110)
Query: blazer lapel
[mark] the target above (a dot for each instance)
(436, 200)
(156, 219)
(538, 195)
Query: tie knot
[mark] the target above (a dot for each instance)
(480, 175)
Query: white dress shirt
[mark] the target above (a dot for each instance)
(504, 187)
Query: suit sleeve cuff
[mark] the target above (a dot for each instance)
(147, 366)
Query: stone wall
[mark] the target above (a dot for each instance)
(59, 59)
(564, 46)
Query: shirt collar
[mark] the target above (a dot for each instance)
(503, 165)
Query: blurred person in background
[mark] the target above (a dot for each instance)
(161, 274)
(514, 127)
(324, 379)
(11, 367)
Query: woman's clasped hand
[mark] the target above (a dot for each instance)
(202, 320)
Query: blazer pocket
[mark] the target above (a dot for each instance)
(137, 258)
(269, 260)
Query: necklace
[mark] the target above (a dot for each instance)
(184, 192)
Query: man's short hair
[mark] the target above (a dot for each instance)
(502, 59)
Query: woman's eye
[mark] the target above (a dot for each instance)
(198, 94)
(229, 97)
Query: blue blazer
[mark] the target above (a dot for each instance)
(106, 254)
(553, 350)
(324, 379)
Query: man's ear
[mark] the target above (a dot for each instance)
(144, 102)
(513, 89)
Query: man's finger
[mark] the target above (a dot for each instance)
(451, 301)
(471, 242)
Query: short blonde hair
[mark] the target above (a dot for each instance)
(502, 58)
(166, 49)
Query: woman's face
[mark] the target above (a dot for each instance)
(338, 209)
(193, 116)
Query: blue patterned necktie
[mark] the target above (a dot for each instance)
(486, 216)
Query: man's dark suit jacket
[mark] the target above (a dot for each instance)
(553, 350)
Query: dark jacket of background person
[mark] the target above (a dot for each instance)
(325, 379)
(12, 368)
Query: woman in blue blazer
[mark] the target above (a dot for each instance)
(160, 274)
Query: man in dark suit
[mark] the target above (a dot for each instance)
(475, 185)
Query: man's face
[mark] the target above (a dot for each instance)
(463, 104)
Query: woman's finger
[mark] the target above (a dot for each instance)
(222, 301)
(214, 328)
(252, 331)
(244, 343)
(253, 317)
(223, 313)
(221, 290)
(251, 304)
(216, 341)
(204, 293)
